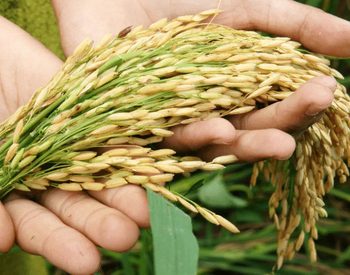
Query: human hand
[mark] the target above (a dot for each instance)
(247, 135)
(76, 209)
(64, 227)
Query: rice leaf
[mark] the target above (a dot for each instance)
(17, 262)
(175, 247)
(145, 261)
(215, 194)
(315, 3)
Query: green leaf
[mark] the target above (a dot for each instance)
(187, 185)
(215, 194)
(145, 266)
(175, 247)
(127, 265)
(248, 215)
(345, 256)
(17, 262)
(315, 3)
(340, 194)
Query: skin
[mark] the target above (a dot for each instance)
(66, 227)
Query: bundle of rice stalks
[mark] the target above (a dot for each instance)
(125, 94)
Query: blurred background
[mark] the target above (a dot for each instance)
(253, 251)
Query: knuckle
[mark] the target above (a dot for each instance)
(70, 203)
(91, 217)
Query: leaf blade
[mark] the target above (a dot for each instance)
(175, 247)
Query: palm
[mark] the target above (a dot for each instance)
(72, 221)
(20, 65)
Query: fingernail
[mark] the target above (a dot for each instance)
(327, 81)
(223, 141)
(325, 96)
(316, 111)
(313, 113)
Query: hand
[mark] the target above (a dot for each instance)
(245, 136)
(64, 227)
(67, 227)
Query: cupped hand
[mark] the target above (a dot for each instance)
(66, 227)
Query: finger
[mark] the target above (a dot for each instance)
(295, 113)
(38, 231)
(7, 233)
(25, 65)
(122, 198)
(196, 135)
(94, 19)
(254, 145)
(314, 28)
(105, 226)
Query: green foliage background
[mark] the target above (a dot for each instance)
(227, 193)
(37, 18)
